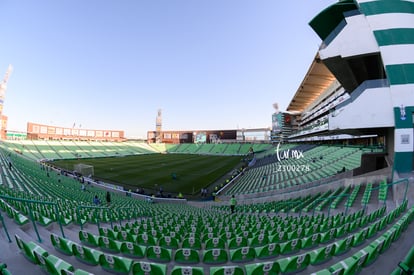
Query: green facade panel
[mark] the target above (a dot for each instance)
(394, 36)
(386, 6)
(328, 19)
(403, 162)
(400, 74)
(407, 121)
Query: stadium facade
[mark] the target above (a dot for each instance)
(209, 136)
(48, 132)
(361, 82)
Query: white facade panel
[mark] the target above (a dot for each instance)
(386, 21)
(372, 109)
(356, 30)
(398, 54)
(403, 140)
(402, 95)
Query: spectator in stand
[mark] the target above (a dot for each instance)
(96, 200)
(108, 198)
(233, 203)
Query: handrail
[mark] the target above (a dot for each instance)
(401, 181)
(346, 203)
(5, 228)
(404, 180)
(29, 202)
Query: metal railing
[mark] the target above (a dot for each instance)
(28, 203)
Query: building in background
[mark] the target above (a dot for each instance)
(3, 88)
(47, 132)
(259, 135)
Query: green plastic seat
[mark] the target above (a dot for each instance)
(263, 268)
(146, 239)
(290, 247)
(125, 236)
(19, 218)
(147, 268)
(325, 272)
(28, 249)
(54, 265)
(88, 238)
(132, 250)
(372, 230)
(360, 237)
(270, 250)
(61, 244)
(260, 239)
(313, 229)
(237, 242)
(242, 254)
(42, 220)
(4, 270)
(343, 246)
(407, 264)
(76, 272)
(311, 241)
(328, 236)
(115, 264)
(348, 266)
(361, 257)
(109, 245)
(187, 270)
(363, 221)
(278, 237)
(186, 256)
(353, 225)
(294, 264)
(158, 253)
(342, 230)
(322, 254)
(168, 242)
(227, 270)
(108, 232)
(297, 233)
(215, 243)
(373, 250)
(228, 235)
(191, 242)
(86, 255)
(398, 230)
(215, 256)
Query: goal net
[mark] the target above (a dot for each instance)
(84, 169)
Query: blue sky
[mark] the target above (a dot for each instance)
(110, 64)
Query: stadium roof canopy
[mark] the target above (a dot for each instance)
(316, 81)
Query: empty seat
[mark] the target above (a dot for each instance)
(215, 256)
(61, 244)
(86, 255)
(132, 250)
(144, 268)
(263, 268)
(187, 256)
(158, 253)
(115, 264)
(242, 254)
(227, 270)
(28, 249)
(187, 270)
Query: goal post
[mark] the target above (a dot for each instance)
(84, 169)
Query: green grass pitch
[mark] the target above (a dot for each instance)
(154, 170)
